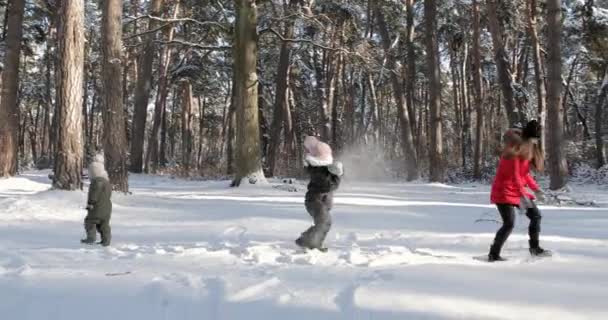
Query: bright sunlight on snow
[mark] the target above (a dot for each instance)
(201, 250)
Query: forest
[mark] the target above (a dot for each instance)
(212, 88)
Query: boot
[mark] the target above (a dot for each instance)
(537, 251)
(87, 241)
(495, 257)
(494, 254)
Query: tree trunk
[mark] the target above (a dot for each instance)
(152, 154)
(478, 92)
(280, 103)
(248, 160)
(503, 68)
(142, 92)
(539, 77)
(114, 135)
(9, 108)
(407, 141)
(599, 122)
(436, 168)
(187, 134)
(557, 161)
(68, 158)
(411, 67)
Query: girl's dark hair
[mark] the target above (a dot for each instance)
(532, 130)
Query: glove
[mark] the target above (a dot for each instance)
(540, 195)
(336, 168)
(524, 204)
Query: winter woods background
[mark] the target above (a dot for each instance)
(229, 88)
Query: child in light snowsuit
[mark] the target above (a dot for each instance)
(325, 176)
(509, 192)
(99, 205)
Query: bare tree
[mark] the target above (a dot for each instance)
(436, 168)
(555, 143)
(477, 91)
(70, 68)
(142, 91)
(153, 153)
(280, 111)
(599, 121)
(114, 135)
(248, 158)
(503, 68)
(407, 140)
(539, 76)
(9, 108)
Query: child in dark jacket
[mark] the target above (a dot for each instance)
(325, 175)
(99, 205)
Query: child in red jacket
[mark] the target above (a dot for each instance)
(509, 192)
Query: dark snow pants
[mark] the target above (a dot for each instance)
(318, 206)
(507, 213)
(93, 225)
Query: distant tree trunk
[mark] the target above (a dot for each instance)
(231, 124)
(599, 122)
(201, 136)
(248, 159)
(501, 58)
(539, 77)
(411, 68)
(152, 154)
(478, 92)
(407, 141)
(280, 103)
(114, 135)
(557, 161)
(187, 134)
(436, 168)
(9, 108)
(68, 158)
(142, 92)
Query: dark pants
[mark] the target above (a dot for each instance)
(318, 206)
(507, 213)
(92, 226)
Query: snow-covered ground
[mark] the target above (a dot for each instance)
(200, 250)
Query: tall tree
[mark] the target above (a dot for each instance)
(280, 110)
(70, 69)
(478, 93)
(114, 135)
(555, 141)
(142, 90)
(436, 166)
(539, 77)
(248, 158)
(407, 140)
(9, 108)
(505, 77)
(599, 121)
(153, 153)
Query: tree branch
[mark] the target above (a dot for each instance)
(175, 20)
(194, 45)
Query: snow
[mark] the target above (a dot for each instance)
(201, 250)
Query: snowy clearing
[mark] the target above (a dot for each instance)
(200, 250)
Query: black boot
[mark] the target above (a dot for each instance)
(494, 254)
(537, 251)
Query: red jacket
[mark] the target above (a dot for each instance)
(512, 176)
